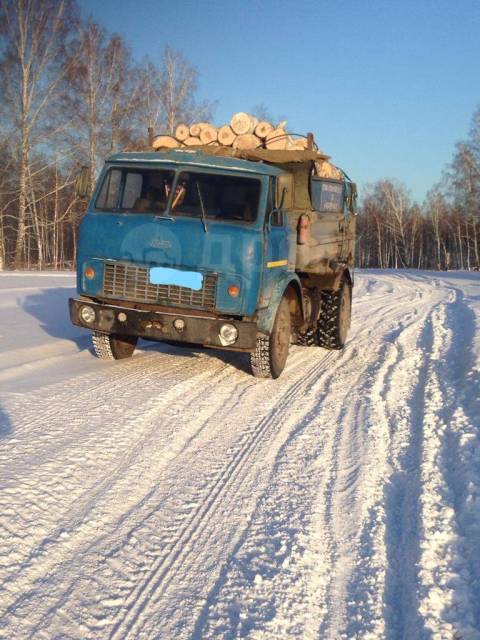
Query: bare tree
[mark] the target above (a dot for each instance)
(35, 36)
(169, 93)
(72, 94)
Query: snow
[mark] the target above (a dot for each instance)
(172, 495)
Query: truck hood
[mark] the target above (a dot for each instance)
(232, 251)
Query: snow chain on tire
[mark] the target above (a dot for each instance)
(328, 325)
(102, 347)
(268, 358)
(260, 359)
(113, 347)
(308, 339)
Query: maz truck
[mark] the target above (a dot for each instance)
(245, 250)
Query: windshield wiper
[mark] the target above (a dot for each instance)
(204, 218)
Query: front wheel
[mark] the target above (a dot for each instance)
(108, 346)
(270, 354)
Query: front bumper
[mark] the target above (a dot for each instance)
(158, 325)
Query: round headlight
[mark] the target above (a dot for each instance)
(228, 334)
(179, 324)
(87, 314)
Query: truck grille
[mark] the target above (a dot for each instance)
(130, 282)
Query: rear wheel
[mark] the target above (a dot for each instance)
(113, 347)
(270, 354)
(335, 315)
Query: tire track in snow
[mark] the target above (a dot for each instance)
(231, 476)
(355, 597)
(275, 607)
(247, 382)
(276, 539)
(59, 543)
(380, 595)
(448, 574)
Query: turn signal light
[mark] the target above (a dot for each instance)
(89, 273)
(233, 291)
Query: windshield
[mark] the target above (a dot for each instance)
(141, 190)
(201, 195)
(221, 197)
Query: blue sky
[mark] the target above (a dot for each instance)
(388, 88)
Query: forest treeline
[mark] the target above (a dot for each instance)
(72, 93)
(442, 233)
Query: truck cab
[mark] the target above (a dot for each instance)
(189, 247)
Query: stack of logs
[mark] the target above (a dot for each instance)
(243, 132)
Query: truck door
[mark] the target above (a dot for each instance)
(276, 243)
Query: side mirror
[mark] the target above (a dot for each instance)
(284, 195)
(82, 183)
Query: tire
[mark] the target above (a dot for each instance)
(308, 338)
(113, 347)
(270, 354)
(335, 315)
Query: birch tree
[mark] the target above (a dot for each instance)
(169, 93)
(36, 39)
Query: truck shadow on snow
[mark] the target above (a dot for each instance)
(50, 308)
(5, 424)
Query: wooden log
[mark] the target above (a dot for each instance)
(322, 168)
(327, 170)
(196, 127)
(337, 174)
(263, 128)
(290, 143)
(208, 134)
(182, 132)
(165, 142)
(300, 143)
(194, 130)
(277, 139)
(226, 135)
(243, 123)
(192, 141)
(247, 141)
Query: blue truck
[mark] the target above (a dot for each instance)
(244, 250)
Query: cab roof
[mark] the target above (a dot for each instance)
(194, 158)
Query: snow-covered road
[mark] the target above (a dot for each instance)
(174, 496)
